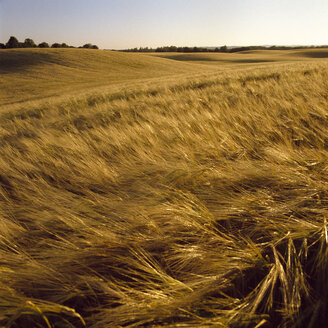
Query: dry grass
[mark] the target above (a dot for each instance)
(198, 203)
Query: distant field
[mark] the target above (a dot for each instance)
(248, 57)
(163, 190)
(34, 74)
(30, 74)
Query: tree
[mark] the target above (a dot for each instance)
(2, 46)
(90, 46)
(43, 45)
(29, 43)
(56, 45)
(12, 43)
(224, 49)
(64, 45)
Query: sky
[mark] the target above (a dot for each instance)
(122, 24)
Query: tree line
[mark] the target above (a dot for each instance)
(223, 49)
(29, 43)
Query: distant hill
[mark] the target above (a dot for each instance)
(34, 73)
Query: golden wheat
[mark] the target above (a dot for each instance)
(181, 203)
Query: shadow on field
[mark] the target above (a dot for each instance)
(226, 59)
(313, 54)
(250, 61)
(16, 61)
(188, 57)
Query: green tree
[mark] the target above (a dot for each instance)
(12, 43)
(89, 46)
(43, 45)
(29, 43)
(56, 45)
(224, 49)
(2, 46)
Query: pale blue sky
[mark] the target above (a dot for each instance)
(118, 24)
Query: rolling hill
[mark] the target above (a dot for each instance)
(32, 74)
(28, 74)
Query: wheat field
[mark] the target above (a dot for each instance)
(141, 191)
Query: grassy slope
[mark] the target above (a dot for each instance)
(200, 204)
(37, 73)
